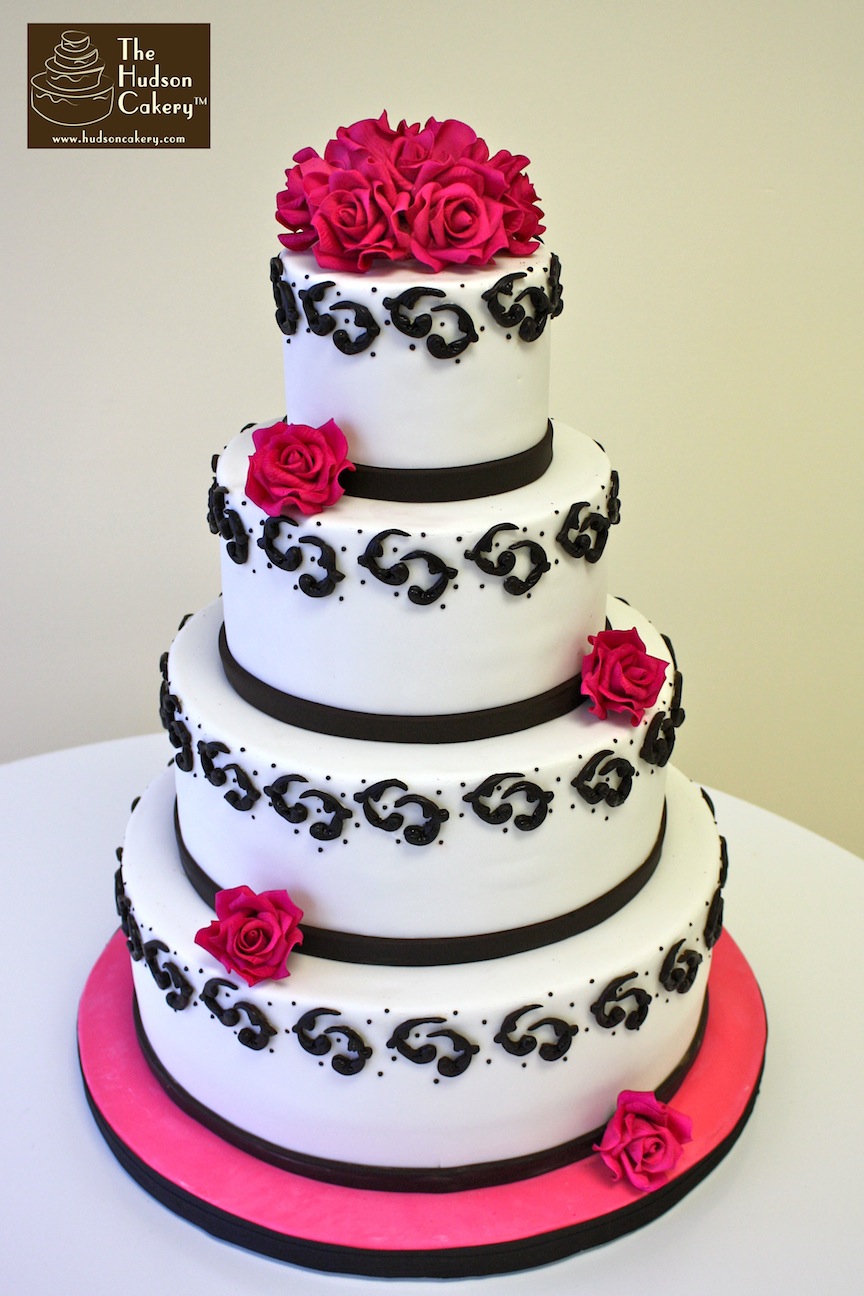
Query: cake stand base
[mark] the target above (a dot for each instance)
(462, 1234)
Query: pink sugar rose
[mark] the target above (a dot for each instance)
(455, 225)
(253, 934)
(297, 467)
(373, 148)
(619, 675)
(522, 216)
(392, 193)
(438, 147)
(355, 223)
(305, 186)
(644, 1140)
(373, 137)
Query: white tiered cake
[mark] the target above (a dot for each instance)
(416, 717)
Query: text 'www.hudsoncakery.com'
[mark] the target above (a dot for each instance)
(134, 138)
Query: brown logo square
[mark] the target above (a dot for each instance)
(109, 85)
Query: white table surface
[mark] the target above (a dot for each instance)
(784, 1212)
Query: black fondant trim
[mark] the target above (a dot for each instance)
(436, 951)
(463, 726)
(402, 1178)
(442, 485)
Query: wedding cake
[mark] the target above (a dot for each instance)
(421, 909)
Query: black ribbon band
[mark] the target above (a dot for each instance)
(436, 951)
(441, 485)
(463, 726)
(407, 1178)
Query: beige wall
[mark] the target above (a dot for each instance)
(702, 167)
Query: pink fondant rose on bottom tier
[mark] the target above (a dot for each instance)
(253, 934)
(644, 1140)
(297, 467)
(619, 675)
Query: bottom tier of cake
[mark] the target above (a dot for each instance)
(430, 1078)
(250, 1203)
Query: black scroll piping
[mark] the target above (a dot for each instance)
(437, 951)
(442, 485)
(397, 1178)
(461, 726)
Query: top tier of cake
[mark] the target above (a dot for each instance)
(420, 370)
(439, 358)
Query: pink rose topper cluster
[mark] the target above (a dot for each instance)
(619, 675)
(644, 1140)
(431, 193)
(296, 467)
(253, 934)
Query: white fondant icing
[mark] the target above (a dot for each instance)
(538, 849)
(474, 877)
(401, 407)
(395, 1112)
(367, 646)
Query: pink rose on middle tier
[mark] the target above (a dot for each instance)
(253, 934)
(619, 675)
(297, 467)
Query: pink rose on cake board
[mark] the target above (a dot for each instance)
(253, 934)
(297, 467)
(644, 1140)
(619, 675)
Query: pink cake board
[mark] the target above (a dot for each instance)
(322, 1226)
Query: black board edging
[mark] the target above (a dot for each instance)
(449, 1262)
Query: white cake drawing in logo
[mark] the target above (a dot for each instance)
(74, 89)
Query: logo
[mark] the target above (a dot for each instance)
(106, 85)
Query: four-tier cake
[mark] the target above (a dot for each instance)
(421, 910)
